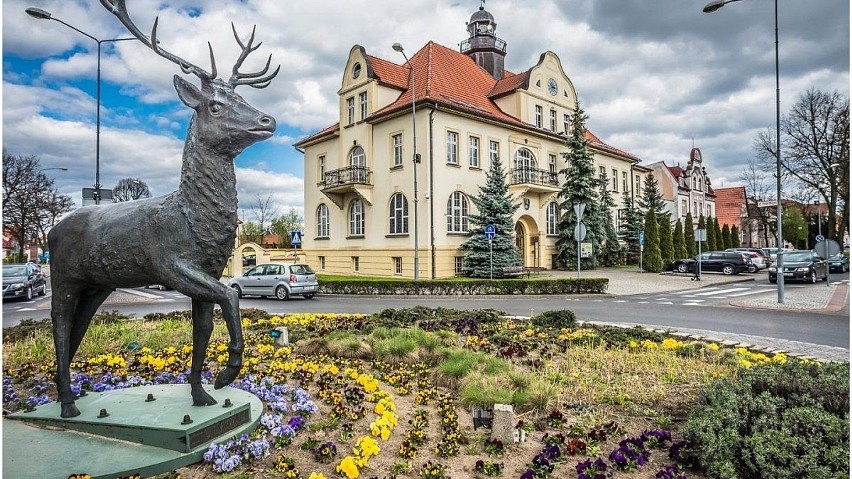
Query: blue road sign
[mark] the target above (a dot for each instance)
(641, 237)
(295, 238)
(489, 232)
(820, 238)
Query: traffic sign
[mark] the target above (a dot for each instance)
(490, 232)
(820, 238)
(641, 237)
(295, 238)
(580, 232)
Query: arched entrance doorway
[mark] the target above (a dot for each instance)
(527, 240)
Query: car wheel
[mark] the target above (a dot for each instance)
(308, 296)
(728, 270)
(752, 269)
(844, 268)
(282, 293)
(29, 293)
(681, 268)
(43, 290)
(238, 290)
(812, 278)
(772, 280)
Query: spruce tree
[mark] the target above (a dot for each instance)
(711, 234)
(580, 186)
(717, 233)
(651, 197)
(702, 225)
(680, 250)
(689, 236)
(726, 237)
(631, 225)
(611, 246)
(666, 240)
(735, 237)
(494, 206)
(652, 261)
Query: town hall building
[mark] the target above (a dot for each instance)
(390, 185)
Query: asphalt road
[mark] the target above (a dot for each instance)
(658, 310)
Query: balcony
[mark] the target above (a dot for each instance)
(351, 179)
(534, 180)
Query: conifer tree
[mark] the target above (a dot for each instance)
(735, 237)
(711, 234)
(689, 236)
(666, 240)
(726, 237)
(717, 233)
(652, 261)
(702, 225)
(680, 250)
(611, 247)
(651, 197)
(494, 205)
(631, 225)
(580, 186)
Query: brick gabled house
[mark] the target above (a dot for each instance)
(363, 213)
(686, 189)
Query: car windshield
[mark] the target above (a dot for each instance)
(14, 270)
(301, 269)
(797, 257)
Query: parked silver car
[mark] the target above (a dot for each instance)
(279, 280)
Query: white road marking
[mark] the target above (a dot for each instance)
(139, 293)
(691, 291)
(724, 291)
(751, 292)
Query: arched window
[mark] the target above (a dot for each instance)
(322, 221)
(356, 218)
(358, 165)
(552, 219)
(524, 165)
(398, 223)
(457, 213)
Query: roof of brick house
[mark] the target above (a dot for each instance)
(730, 203)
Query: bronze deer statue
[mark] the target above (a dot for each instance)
(181, 240)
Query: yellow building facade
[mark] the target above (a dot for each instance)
(366, 208)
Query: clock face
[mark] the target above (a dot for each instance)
(551, 87)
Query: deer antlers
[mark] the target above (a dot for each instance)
(255, 80)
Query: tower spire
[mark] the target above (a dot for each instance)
(482, 44)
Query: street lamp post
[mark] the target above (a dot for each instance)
(398, 47)
(712, 7)
(45, 15)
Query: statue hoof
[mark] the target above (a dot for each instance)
(226, 376)
(202, 399)
(68, 409)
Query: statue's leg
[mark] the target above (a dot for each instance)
(202, 327)
(63, 304)
(202, 287)
(87, 306)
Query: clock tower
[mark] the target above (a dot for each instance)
(482, 45)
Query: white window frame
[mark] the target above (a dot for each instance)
(350, 110)
(397, 265)
(601, 172)
(457, 212)
(322, 221)
(398, 220)
(552, 162)
(396, 141)
(473, 149)
(322, 262)
(566, 122)
(625, 185)
(637, 184)
(552, 218)
(362, 100)
(452, 147)
(458, 264)
(539, 114)
(321, 163)
(494, 151)
(615, 180)
(356, 264)
(552, 120)
(356, 218)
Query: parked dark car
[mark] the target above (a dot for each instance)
(838, 263)
(22, 281)
(767, 259)
(279, 280)
(725, 262)
(801, 265)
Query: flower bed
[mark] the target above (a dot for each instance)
(362, 397)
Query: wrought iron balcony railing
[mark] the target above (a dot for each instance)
(347, 176)
(535, 176)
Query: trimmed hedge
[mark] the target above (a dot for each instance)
(463, 287)
(780, 421)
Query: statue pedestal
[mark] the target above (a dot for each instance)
(137, 435)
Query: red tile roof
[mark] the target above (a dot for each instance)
(453, 80)
(729, 205)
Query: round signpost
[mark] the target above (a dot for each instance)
(826, 249)
(579, 231)
(490, 232)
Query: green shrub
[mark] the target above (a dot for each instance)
(779, 421)
(461, 286)
(562, 318)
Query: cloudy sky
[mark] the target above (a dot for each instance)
(655, 77)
